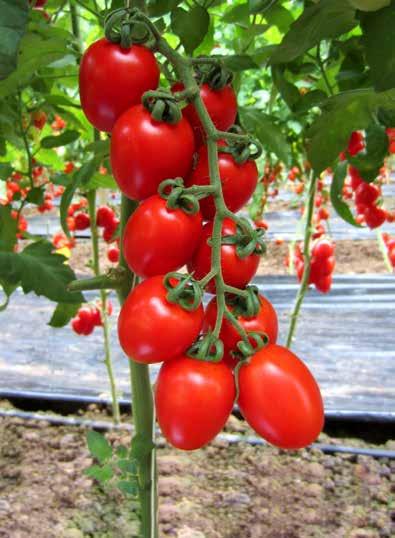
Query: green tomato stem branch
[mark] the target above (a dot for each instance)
(91, 196)
(142, 407)
(307, 258)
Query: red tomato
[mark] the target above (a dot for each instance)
(265, 321)
(237, 272)
(113, 254)
(324, 283)
(367, 194)
(374, 216)
(39, 118)
(193, 401)
(105, 216)
(221, 106)
(151, 329)
(82, 221)
(238, 181)
(356, 179)
(391, 256)
(158, 240)
(356, 143)
(144, 152)
(323, 249)
(280, 398)
(112, 79)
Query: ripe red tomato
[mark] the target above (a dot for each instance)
(265, 321)
(237, 272)
(113, 254)
(151, 329)
(374, 216)
(39, 118)
(366, 194)
(84, 322)
(112, 79)
(280, 398)
(82, 221)
(356, 143)
(158, 240)
(323, 283)
(356, 179)
(105, 216)
(144, 152)
(238, 181)
(323, 249)
(193, 401)
(221, 106)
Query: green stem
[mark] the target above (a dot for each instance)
(91, 196)
(25, 142)
(307, 259)
(322, 69)
(114, 280)
(75, 25)
(143, 411)
(384, 251)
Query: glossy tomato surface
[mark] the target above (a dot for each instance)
(193, 401)
(112, 79)
(151, 329)
(158, 240)
(280, 398)
(144, 152)
(238, 181)
(265, 321)
(221, 106)
(236, 271)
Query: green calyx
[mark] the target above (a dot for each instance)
(214, 74)
(122, 26)
(242, 147)
(183, 290)
(177, 196)
(248, 240)
(162, 106)
(207, 348)
(256, 341)
(246, 305)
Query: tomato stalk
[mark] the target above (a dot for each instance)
(308, 232)
(142, 407)
(384, 252)
(91, 196)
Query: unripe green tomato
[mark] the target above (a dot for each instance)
(369, 5)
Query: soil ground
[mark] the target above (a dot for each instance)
(222, 491)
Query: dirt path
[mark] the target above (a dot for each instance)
(222, 491)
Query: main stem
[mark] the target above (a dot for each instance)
(91, 196)
(307, 258)
(142, 409)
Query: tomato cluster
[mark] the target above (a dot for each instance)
(87, 318)
(322, 264)
(162, 318)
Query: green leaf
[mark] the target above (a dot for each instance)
(80, 177)
(128, 487)
(379, 44)
(98, 446)
(49, 157)
(5, 171)
(101, 181)
(190, 26)
(35, 196)
(63, 314)
(59, 100)
(371, 159)
(13, 21)
(37, 268)
(60, 140)
(142, 446)
(336, 193)
(37, 50)
(8, 230)
(8, 290)
(100, 148)
(323, 20)
(240, 62)
(157, 8)
(128, 466)
(369, 5)
(237, 14)
(288, 91)
(121, 451)
(101, 474)
(260, 6)
(342, 114)
(267, 132)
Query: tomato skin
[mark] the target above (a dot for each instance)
(324, 283)
(113, 79)
(265, 321)
(221, 106)
(374, 216)
(280, 398)
(144, 152)
(151, 329)
(158, 240)
(323, 249)
(238, 181)
(193, 401)
(366, 194)
(236, 272)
